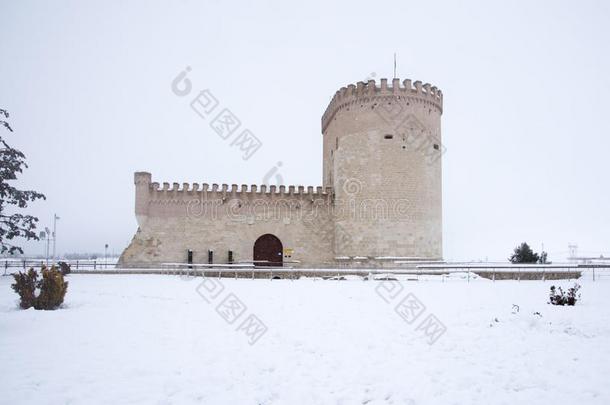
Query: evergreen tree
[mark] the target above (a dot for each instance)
(14, 224)
(524, 254)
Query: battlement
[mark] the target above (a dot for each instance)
(157, 191)
(234, 189)
(410, 90)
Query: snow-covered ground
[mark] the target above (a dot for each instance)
(163, 339)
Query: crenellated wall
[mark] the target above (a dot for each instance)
(173, 218)
(243, 190)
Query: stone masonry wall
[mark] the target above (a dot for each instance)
(173, 220)
(382, 156)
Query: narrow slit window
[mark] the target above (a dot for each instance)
(388, 136)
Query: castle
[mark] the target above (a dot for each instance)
(380, 203)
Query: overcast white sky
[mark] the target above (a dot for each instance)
(525, 123)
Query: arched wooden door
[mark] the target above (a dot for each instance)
(268, 251)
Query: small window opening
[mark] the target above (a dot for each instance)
(388, 136)
(436, 146)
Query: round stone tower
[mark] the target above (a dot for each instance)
(382, 156)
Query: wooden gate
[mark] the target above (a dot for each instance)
(268, 251)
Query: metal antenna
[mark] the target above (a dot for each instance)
(394, 65)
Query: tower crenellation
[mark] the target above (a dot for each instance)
(371, 92)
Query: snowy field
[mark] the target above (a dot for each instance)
(153, 339)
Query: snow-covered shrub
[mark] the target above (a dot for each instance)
(25, 286)
(559, 297)
(51, 288)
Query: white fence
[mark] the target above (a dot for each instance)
(13, 265)
(443, 273)
(461, 271)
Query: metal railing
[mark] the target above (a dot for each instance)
(445, 273)
(466, 271)
(12, 265)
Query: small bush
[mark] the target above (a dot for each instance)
(558, 297)
(25, 286)
(64, 267)
(51, 288)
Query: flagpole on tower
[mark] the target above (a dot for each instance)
(394, 65)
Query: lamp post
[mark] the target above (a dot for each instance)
(106, 255)
(55, 218)
(48, 235)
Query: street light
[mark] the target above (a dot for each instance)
(48, 234)
(106, 255)
(55, 218)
